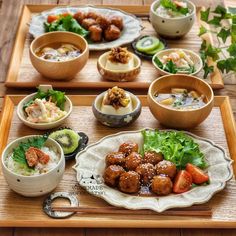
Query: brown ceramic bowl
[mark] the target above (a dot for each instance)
(60, 70)
(119, 75)
(180, 119)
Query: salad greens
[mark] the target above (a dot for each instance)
(57, 97)
(19, 152)
(224, 27)
(168, 4)
(171, 67)
(66, 23)
(175, 146)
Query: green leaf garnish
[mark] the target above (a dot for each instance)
(202, 31)
(232, 50)
(57, 97)
(169, 4)
(212, 52)
(18, 154)
(215, 21)
(207, 70)
(66, 23)
(224, 34)
(175, 146)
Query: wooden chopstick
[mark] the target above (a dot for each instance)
(190, 211)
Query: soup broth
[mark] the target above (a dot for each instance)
(58, 52)
(181, 99)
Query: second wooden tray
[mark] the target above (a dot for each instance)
(17, 211)
(22, 74)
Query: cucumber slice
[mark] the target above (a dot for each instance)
(147, 44)
(160, 47)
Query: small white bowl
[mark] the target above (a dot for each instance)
(172, 27)
(194, 57)
(33, 186)
(42, 126)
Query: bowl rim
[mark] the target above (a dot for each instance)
(4, 153)
(211, 100)
(133, 96)
(20, 107)
(58, 32)
(174, 18)
(119, 71)
(173, 49)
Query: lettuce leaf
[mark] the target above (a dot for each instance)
(175, 146)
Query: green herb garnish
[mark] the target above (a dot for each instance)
(18, 154)
(175, 146)
(168, 4)
(57, 97)
(66, 23)
(224, 53)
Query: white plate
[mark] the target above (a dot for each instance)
(131, 31)
(90, 166)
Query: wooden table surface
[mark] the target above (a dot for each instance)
(9, 15)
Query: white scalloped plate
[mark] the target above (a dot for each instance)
(91, 161)
(131, 31)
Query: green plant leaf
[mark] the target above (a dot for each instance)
(207, 70)
(224, 34)
(215, 21)
(232, 50)
(205, 15)
(213, 52)
(202, 31)
(220, 10)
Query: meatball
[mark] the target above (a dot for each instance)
(86, 23)
(152, 157)
(166, 168)
(95, 33)
(161, 185)
(112, 175)
(103, 21)
(133, 161)
(129, 182)
(92, 14)
(79, 16)
(117, 21)
(128, 147)
(146, 171)
(112, 33)
(115, 158)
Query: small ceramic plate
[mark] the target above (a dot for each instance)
(142, 54)
(131, 31)
(90, 166)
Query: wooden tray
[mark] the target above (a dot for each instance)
(17, 211)
(22, 74)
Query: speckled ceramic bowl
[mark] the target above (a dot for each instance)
(119, 75)
(37, 185)
(116, 120)
(172, 27)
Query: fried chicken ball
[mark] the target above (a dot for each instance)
(166, 168)
(79, 16)
(95, 33)
(115, 158)
(129, 182)
(146, 171)
(128, 147)
(152, 157)
(112, 175)
(112, 33)
(161, 185)
(103, 22)
(117, 21)
(93, 15)
(86, 23)
(133, 161)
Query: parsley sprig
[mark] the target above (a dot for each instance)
(224, 54)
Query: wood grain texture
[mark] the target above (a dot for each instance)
(22, 74)
(82, 119)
